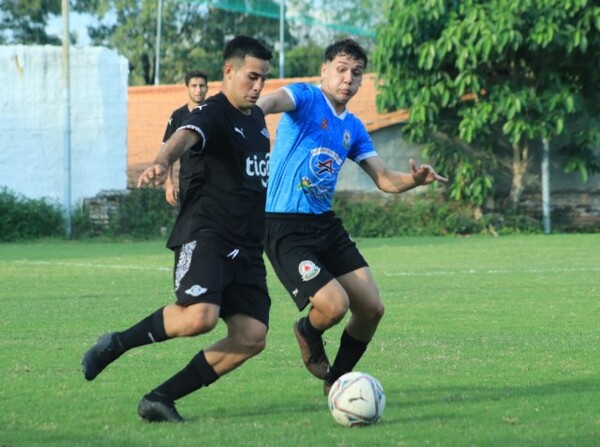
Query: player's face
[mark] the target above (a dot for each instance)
(341, 79)
(197, 88)
(245, 81)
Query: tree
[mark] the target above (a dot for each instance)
(193, 32)
(487, 80)
(305, 60)
(24, 21)
(129, 26)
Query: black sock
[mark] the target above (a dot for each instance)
(348, 355)
(195, 375)
(308, 329)
(150, 330)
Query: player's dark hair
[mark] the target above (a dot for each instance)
(241, 46)
(346, 47)
(195, 74)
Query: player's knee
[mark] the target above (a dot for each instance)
(377, 311)
(332, 302)
(251, 346)
(200, 319)
(258, 346)
(335, 310)
(197, 324)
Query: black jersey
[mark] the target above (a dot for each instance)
(177, 118)
(228, 175)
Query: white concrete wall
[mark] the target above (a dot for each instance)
(32, 122)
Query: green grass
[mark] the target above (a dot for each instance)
(485, 342)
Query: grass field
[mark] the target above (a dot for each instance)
(485, 342)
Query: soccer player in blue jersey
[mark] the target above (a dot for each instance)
(310, 250)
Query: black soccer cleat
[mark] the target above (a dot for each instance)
(103, 353)
(313, 352)
(158, 411)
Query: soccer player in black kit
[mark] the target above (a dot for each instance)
(219, 270)
(196, 83)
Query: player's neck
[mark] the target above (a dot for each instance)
(336, 106)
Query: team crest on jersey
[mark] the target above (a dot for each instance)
(324, 162)
(308, 270)
(324, 123)
(346, 140)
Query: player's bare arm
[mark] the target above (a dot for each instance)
(276, 102)
(170, 188)
(395, 182)
(170, 151)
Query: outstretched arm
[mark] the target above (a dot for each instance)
(170, 151)
(277, 102)
(391, 181)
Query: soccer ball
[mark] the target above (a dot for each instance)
(356, 398)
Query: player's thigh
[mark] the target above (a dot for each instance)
(362, 291)
(200, 273)
(292, 249)
(247, 294)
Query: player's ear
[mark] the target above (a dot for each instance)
(323, 69)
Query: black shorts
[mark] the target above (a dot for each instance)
(210, 270)
(309, 250)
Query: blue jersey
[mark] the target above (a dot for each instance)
(311, 144)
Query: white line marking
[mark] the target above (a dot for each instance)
(493, 272)
(388, 273)
(91, 265)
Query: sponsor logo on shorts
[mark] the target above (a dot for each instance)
(196, 290)
(308, 270)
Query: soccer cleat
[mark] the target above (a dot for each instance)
(158, 411)
(99, 356)
(313, 353)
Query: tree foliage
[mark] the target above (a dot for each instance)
(130, 27)
(24, 21)
(193, 34)
(487, 80)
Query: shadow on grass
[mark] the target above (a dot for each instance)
(416, 396)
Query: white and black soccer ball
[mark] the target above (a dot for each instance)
(355, 399)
